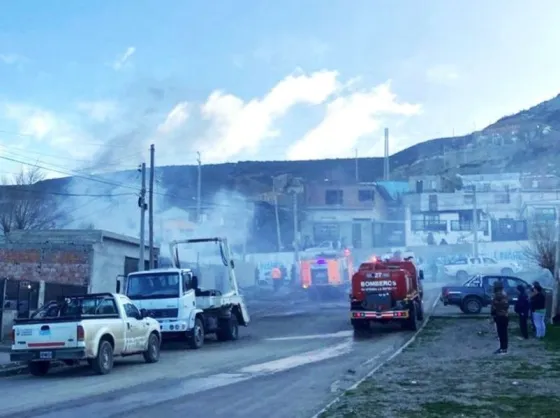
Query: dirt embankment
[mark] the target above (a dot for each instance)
(451, 371)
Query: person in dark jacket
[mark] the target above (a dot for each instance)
(538, 309)
(499, 310)
(522, 309)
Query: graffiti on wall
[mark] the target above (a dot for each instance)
(415, 238)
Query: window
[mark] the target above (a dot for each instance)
(433, 203)
(106, 307)
(501, 198)
(187, 282)
(475, 260)
(89, 306)
(468, 199)
(131, 310)
(460, 261)
(489, 282)
(334, 197)
(486, 187)
(488, 260)
(513, 283)
(326, 232)
(365, 195)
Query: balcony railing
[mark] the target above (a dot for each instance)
(435, 226)
(468, 226)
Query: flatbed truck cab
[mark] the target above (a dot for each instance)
(184, 308)
(385, 291)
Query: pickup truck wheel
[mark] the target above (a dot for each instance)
(196, 339)
(151, 355)
(507, 271)
(462, 275)
(228, 329)
(39, 368)
(472, 306)
(103, 363)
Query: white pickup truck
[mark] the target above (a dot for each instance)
(93, 328)
(463, 267)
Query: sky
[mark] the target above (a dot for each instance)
(87, 86)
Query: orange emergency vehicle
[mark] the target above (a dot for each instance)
(326, 273)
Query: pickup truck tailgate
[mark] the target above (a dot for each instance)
(47, 335)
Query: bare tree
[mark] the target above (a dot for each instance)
(25, 205)
(542, 248)
(542, 251)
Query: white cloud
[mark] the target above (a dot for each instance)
(46, 127)
(99, 111)
(349, 118)
(238, 126)
(442, 74)
(123, 59)
(12, 59)
(175, 119)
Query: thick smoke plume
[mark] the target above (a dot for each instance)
(113, 206)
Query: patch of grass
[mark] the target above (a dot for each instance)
(552, 338)
(526, 370)
(526, 406)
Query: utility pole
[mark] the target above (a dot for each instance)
(296, 229)
(151, 206)
(356, 168)
(143, 206)
(277, 214)
(198, 188)
(386, 160)
(475, 224)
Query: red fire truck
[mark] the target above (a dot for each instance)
(384, 291)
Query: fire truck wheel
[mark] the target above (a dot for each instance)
(412, 322)
(420, 312)
(360, 325)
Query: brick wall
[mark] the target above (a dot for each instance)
(54, 265)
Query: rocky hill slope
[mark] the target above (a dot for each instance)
(527, 141)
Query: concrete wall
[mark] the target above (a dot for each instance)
(108, 263)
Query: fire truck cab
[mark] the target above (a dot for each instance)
(326, 274)
(384, 291)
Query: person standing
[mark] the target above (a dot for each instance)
(538, 307)
(276, 274)
(522, 309)
(499, 310)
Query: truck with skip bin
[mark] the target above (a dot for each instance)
(189, 307)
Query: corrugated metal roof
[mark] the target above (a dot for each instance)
(395, 188)
(66, 236)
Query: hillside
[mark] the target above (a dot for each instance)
(527, 141)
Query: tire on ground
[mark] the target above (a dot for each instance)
(39, 368)
(103, 362)
(228, 329)
(195, 339)
(151, 355)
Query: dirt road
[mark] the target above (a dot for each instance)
(287, 365)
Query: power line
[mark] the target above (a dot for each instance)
(71, 174)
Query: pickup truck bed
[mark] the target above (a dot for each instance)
(94, 328)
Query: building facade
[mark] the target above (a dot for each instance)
(42, 265)
(360, 215)
(505, 207)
